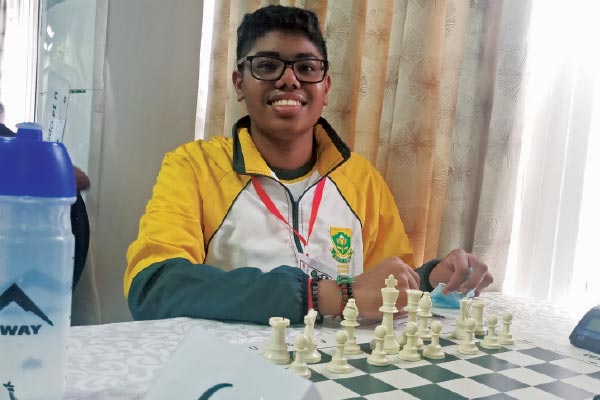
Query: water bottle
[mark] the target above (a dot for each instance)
(37, 188)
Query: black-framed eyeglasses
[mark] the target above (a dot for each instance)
(268, 68)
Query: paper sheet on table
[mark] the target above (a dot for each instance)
(207, 367)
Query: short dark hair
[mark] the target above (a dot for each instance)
(278, 18)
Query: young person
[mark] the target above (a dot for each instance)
(233, 222)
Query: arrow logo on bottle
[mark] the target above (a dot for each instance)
(15, 294)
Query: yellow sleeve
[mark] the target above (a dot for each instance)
(171, 226)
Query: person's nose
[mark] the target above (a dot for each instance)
(288, 80)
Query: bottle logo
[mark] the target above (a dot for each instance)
(10, 388)
(15, 294)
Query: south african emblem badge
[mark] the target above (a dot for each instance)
(341, 238)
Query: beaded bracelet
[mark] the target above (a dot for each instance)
(314, 293)
(345, 284)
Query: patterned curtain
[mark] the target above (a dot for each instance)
(2, 33)
(429, 91)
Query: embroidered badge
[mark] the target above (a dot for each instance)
(341, 238)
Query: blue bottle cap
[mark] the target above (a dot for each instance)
(31, 167)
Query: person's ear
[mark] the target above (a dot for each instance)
(327, 87)
(236, 78)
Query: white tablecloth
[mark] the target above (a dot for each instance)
(121, 360)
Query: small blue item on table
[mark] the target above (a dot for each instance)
(450, 300)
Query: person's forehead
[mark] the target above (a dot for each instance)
(286, 45)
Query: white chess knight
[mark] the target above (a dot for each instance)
(312, 354)
(349, 323)
(339, 363)
(389, 294)
(490, 341)
(506, 337)
(434, 350)
(463, 315)
(277, 351)
(299, 364)
(378, 356)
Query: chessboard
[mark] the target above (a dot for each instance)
(520, 371)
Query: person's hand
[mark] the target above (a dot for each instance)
(368, 285)
(453, 271)
(82, 182)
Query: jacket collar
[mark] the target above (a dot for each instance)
(331, 153)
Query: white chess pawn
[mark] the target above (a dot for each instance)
(312, 355)
(349, 323)
(409, 351)
(424, 315)
(490, 341)
(277, 351)
(389, 294)
(467, 345)
(339, 363)
(477, 306)
(299, 364)
(434, 350)
(378, 356)
(506, 337)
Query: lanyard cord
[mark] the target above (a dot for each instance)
(316, 203)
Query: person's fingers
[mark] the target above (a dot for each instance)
(485, 282)
(479, 271)
(459, 264)
(413, 280)
(415, 276)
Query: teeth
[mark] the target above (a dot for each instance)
(286, 103)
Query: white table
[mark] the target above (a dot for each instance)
(121, 360)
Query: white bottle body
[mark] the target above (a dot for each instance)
(36, 271)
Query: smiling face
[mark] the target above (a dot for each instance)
(285, 110)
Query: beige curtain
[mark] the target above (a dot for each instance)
(429, 91)
(2, 33)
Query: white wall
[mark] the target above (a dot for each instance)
(150, 80)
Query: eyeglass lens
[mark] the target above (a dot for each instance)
(271, 69)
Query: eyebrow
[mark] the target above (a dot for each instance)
(298, 56)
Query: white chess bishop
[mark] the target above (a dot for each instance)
(350, 323)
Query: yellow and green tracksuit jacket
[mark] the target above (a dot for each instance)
(209, 248)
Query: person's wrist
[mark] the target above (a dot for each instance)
(428, 279)
(329, 297)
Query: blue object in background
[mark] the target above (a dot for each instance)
(450, 300)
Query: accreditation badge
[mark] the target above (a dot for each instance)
(313, 267)
(341, 252)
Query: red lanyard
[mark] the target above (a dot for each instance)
(264, 197)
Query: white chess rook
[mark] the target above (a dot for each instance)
(339, 363)
(389, 295)
(277, 350)
(299, 365)
(378, 356)
(477, 306)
